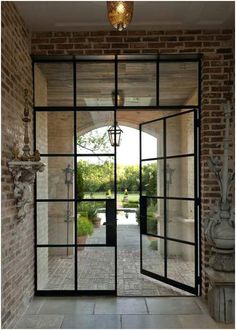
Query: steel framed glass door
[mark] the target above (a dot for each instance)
(169, 207)
(75, 212)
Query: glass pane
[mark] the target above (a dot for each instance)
(53, 84)
(178, 84)
(54, 132)
(95, 177)
(180, 219)
(180, 263)
(92, 132)
(137, 83)
(180, 134)
(152, 140)
(152, 178)
(95, 83)
(53, 182)
(90, 223)
(55, 270)
(96, 268)
(153, 254)
(55, 223)
(180, 177)
(155, 216)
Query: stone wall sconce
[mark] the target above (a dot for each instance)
(24, 168)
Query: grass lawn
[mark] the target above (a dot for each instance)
(131, 196)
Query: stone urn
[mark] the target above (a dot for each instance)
(96, 222)
(81, 240)
(219, 230)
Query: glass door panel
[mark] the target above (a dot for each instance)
(178, 83)
(169, 214)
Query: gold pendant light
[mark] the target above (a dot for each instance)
(120, 13)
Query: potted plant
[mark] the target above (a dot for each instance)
(85, 228)
(92, 215)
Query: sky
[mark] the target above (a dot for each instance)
(128, 151)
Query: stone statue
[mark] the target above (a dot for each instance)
(219, 231)
(219, 225)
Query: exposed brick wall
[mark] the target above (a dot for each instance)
(17, 238)
(217, 79)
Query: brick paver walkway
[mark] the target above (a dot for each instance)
(96, 267)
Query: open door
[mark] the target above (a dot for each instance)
(169, 201)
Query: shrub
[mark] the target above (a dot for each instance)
(85, 227)
(130, 204)
(92, 212)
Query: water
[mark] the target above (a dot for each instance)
(123, 218)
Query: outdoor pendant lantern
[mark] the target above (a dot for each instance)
(114, 133)
(120, 13)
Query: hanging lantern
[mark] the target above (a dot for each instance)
(120, 13)
(114, 134)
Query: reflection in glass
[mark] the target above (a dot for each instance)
(51, 182)
(180, 219)
(53, 84)
(138, 81)
(152, 178)
(180, 177)
(180, 263)
(55, 223)
(152, 140)
(95, 177)
(153, 254)
(95, 83)
(178, 83)
(91, 213)
(54, 132)
(55, 271)
(179, 134)
(96, 268)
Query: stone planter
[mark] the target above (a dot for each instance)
(96, 222)
(81, 240)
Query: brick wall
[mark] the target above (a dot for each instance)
(217, 79)
(17, 238)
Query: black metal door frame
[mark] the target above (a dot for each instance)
(116, 59)
(196, 199)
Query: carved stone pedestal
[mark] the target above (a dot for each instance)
(221, 296)
(24, 173)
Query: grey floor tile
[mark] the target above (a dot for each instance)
(120, 306)
(91, 322)
(68, 306)
(35, 306)
(173, 306)
(40, 322)
(201, 322)
(150, 322)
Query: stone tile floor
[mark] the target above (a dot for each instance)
(118, 313)
(96, 267)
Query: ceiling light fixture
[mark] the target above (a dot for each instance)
(120, 13)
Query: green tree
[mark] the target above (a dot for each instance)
(80, 183)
